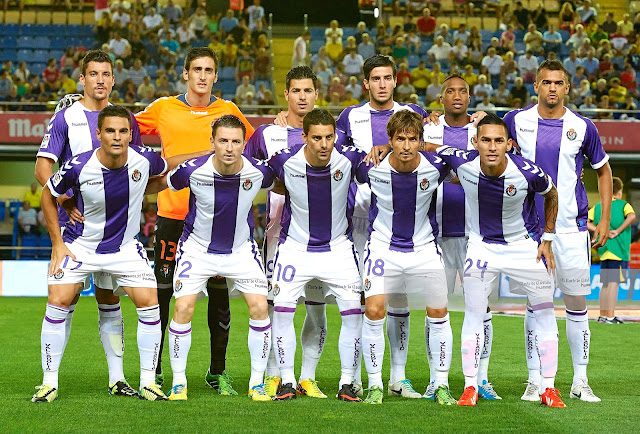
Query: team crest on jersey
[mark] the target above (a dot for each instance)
(511, 190)
(276, 289)
(164, 270)
(338, 175)
(246, 186)
(178, 286)
(136, 175)
(367, 284)
(571, 134)
(58, 274)
(424, 184)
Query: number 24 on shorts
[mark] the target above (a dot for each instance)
(469, 263)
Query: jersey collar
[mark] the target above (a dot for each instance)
(183, 98)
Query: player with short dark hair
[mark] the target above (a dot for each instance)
(183, 123)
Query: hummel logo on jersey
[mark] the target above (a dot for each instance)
(193, 112)
(571, 134)
(434, 137)
(294, 175)
(338, 175)
(81, 124)
(511, 190)
(424, 185)
(246, 185)
(136, 175)
(94, 183)
(362, 121)
(277, 140)
(525, 130)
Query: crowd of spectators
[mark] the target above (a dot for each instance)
(148, 44)
(601, 55)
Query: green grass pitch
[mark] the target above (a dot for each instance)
(84, 404)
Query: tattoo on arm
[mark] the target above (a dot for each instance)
(550, 210)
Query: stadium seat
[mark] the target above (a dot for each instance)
(47, 30)
(228, 73)
(74, 18)
(228, 96)
(37, 68)
(56, 54)
(530, 89)
(58, 43)
(28, 17)
(315, 45)
(228, 87)
(43, 17)
(151, 70)
(519, 34)
(317, 33)
(26, 42)
(44, 241)
(87, 30)
(413, 60)
(519, 46)
(40, 56)
(266, 83)
(618, 61)
(565, 35)
(28, 30)
(89, 18)
(42, 43)
(24, 56)
(29, 240)
(9, 54)
(59, 18)
(348, 31)
(12, 17)
(486, 35)
(9, 42)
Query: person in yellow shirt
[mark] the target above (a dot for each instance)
(33, 196)
(334, 49)
(215, 45)
(614, 256)
(183, 123)
(67, 84)
(420, 77)
(617, 93)
(436, 104)
(469, 76)
(436, 72)
(349, 100)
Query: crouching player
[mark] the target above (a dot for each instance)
(401, 257)
(499, 189)
(109, 184)
(216, 241)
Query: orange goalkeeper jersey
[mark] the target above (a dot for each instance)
(183, 129)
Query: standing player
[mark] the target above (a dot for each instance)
(401, 256)
(216, 241)
(301, 94)
(557, 140)
(183, 124)
(365, 126)
(109, 185)
(71, 131)
(498, 190)
(314, 245)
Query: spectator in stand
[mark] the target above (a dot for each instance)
(33, 196)
(181, 85)
(604, 104)
(244, 66)
(216, 45)
(459, 53)
(355, 87)
(336, 86)
(522, 16)
(334, 49)
(581, 91)
(609, 25)
(583, 50)
(591, 65)
(469, 76)
(576, 39)
(626, 26)
(51, 76)
(551, 40)
(409, 25)
(493, 63)
(404, 90)
(440, 51)
(628, 80)
(262, 64)
(353, 63)
(629, 104)
(475, 53)
(172, 12)
(366, 48)
(103, 29)
(598, 36)
(321, 55)
(606, 66)
(361, 29)
(566, 16)
(578, 77)
(152, 21)
(185, 35)
(6, 84)
(198, 23)
(483, 88)
(333, 31)
(519, 90)
(230, 53)
(508, 39)
(501, 95)
(420, 78)
(138, 50)
(299, 57)
(587, 108)
(403, 71)
(533, 40)
(22, 72)
(587, 12)
(257, 33)
(137, 73)
(444, 32)
(27, 220)
(600, 90)
(617, 93)
(604, 48)
(400, 50)
(413, 42)
(426, 24)
(461, 33)
(228, 22)
(255, 12)
(433, 90)
(244, 88)
(619, 44)
(119, 46)
(385, 46)
(323, 72)
(486, 105)
(528, 65)
(539, 17)
(146, 87)
(335, 100)
(67, 84)
(349, 100)
(474, 35)
(169, 48)
(571, 62)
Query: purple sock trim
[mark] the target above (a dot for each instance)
(149, 322)
(576, 312)
(357, 311)
(439, 322)
(399, 315)
(548, 305)
(175, 332)
(313, 303)
(284, 309)
(113, 309)
(260, 329)
(54, 321)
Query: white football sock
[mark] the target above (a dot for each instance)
(398, 334)
(357, 377)
(432, 372)
(483, 368)
(531, 346)
(284, 341)
(272, 367)
(441, 348)
(579, 337)
(547, 339)
(52, 343)
(472, 339)
(149, 335)
(67, 325)
(373, 349)
(312, 338)
(349, 342)
(112, 338)
(259, 342)
(179, 345)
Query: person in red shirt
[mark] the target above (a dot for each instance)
(51, 75)
(426, 24)
(634, 263)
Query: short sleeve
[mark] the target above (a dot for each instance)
(342, 124)
(136, 138)
(443, 168)
(455, 157)
(362, 173)
(592, 214)
(537, 180)
(147, 119)
(157, 164)
(592, 146)
(66, 178)
(178, 178)
(256, 147)
(268, 176)
(55, 139)
(355, 157)
(276, 162)
(628, 209)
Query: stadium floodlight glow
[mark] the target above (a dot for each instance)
(376, 12)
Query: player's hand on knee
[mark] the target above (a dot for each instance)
(377, 154)
(281, 119)
(544, 250)
(58, 253)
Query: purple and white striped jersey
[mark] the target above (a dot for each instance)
(402, 209)
(364, 128)
(72, 131)
(501, 208)
(219, 217)
(263, 144)
(559, 146)
(450, 204)
(109, 199)
(315, 209)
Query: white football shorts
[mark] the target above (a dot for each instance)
(572, 253)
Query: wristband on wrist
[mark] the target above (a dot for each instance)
(547, 236)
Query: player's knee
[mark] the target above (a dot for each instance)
(105, 296)
(183, 311)
(575, 302)
(258, 308)
(375, 311)
(63, 295)
(436, 312)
